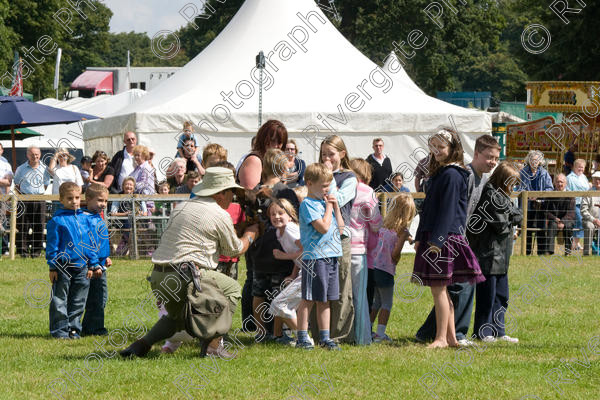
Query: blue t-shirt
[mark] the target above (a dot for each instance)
(315, 244)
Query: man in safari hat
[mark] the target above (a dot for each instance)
(199, 230)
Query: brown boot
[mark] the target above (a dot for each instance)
(139, 348)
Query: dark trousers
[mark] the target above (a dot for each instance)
(536, 219)
(93, 319)
(370, 287)
(551, 232)
(462, 295)
(34, 218)
(247, 320)
(491, 305)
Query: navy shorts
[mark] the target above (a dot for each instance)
(320, 279)
(382, 278)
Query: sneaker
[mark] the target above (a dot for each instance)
(330, 345)
(74, 335)
(304, 345)
(285, 340)
(509, 339)
(384, 338)
(489, 339)
(466, 342)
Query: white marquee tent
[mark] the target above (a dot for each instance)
(315, 81)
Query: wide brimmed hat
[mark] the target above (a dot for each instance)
(215, 180)
(596, 174)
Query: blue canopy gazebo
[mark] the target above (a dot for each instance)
(18, 112)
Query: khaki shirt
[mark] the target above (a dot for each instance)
(199, 230)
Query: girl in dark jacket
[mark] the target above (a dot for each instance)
(490, 236)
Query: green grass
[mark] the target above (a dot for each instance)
(552, 323)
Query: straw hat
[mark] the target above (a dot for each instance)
(215, 180)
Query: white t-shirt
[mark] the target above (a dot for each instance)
(5, 170)
(289, 237)
(126, 168)
(70, 173)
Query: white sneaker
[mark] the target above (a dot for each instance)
(489, 339)
(509, 339)
(465, 343)
(384, 338)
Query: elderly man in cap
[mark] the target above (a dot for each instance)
(590, 213)
(199, 230)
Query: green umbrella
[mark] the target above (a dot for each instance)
(20, 134)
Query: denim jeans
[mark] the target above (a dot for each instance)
(69, 293)
(93, 320)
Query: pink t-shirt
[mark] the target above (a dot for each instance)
(365, 218)
(383, 252)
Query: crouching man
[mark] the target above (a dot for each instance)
(199, 230)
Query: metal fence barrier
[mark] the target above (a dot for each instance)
(135, 233)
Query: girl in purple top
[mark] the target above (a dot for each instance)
(392, 236)
(443, 254)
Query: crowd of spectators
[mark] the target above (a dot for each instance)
(571, 218)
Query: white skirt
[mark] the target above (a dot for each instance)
(286, 303)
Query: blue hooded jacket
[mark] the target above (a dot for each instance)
(101, 236)
(69, 241)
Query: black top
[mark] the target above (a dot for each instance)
(445, 206)
(381, 172)
(116, 163)
(340, 177)
(490, 230)
(108, 170)
(562, 208)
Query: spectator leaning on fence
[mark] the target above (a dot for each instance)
(199, 230)
(6, 173)
(31, 178)
(176, 174)
(122, 162)
(590, 212)
(535, 178)
(102, 172)
(6, 178)
(576, 181)
(560, 216)
(381, 165)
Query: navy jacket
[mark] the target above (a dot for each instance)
(445, 205)
(69, 241)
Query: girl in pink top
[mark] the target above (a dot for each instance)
(400, 213)
(365, 221)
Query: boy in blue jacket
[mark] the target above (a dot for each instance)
(96, 197)
(69, 252)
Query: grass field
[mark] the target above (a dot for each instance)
(555, 314)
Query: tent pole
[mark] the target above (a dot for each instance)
(14, 150)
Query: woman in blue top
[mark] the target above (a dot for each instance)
(535, 177)
(577, 180)
(443, 255)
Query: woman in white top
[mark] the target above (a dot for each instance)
(64, 171)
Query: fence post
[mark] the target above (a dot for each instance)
(13, 227)
(136, 256)
(383, 204)
(524, 198)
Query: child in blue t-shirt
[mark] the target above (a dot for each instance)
(96, 197)
(71, 259)
(320, 225)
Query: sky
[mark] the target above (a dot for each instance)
(148, 16)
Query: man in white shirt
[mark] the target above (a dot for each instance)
(6, 177)
(123, 162)
(6, 173)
